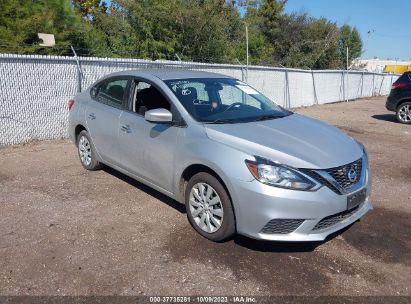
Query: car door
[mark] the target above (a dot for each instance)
(108, 100)
(148, 149)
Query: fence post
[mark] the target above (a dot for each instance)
(362, 83)
(343, 84)
(79, 72)
(287, 90)
(347, 91)
(243, 74)
(373, 85)
(382, 81)
(315, 90)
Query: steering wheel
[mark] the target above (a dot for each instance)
(232, 106)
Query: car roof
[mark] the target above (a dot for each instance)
(167, 74)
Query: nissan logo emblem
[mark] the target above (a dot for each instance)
(352, 175)
(186, 92)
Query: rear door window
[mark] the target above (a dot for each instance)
(113, 92)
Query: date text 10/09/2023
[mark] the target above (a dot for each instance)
(203, 299)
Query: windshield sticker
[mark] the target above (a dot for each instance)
(186, 92)
(179, 83)
(248, 90)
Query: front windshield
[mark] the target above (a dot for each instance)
(224, 100)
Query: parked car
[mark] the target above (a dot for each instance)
(399, 100)
(239, 162)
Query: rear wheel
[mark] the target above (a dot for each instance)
(87, 152)
(404, 113)
(209, 208)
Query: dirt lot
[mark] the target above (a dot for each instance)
(66, 231)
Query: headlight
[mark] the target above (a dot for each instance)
(280, 176)
(364, 151)
(361, 145)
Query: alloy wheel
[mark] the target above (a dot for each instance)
(206, 207)
(404, 113)
(84, 149)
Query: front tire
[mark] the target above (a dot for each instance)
(209, 208)
(87, 152)
(404, 113)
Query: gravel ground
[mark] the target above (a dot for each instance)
(66, 231)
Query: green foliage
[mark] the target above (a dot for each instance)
(197, 30)
(22, 20)
(349, 37)
(89, 8)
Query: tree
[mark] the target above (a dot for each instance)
(89, 8)
(21, 21)
(193, 30)
(349, 37)
(210, 31)
(270, 11)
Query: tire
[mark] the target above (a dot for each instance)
(404, 113)
(210, 214)
(87, 152)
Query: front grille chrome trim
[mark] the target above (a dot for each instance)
(324, 174)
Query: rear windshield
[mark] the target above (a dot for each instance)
(406, 77)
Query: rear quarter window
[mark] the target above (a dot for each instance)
(406, 77)
(111, 92)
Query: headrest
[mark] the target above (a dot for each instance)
(116, 91)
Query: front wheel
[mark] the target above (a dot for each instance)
(209, 208)
(404, 113)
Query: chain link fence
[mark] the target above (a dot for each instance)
(34, 90)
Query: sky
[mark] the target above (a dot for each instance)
(388, 20)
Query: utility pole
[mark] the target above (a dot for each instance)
(246, 39)
(347, 58)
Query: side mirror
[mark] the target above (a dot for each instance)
(159, 116)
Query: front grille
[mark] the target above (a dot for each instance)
(281, 226)
(340, 174)
(334, 219)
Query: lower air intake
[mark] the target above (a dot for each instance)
(334, 219)
(281, 226)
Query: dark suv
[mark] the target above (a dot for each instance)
(399, 99)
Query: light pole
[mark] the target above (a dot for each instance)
(347, 58)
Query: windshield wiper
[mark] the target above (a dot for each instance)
(267, 117)
(221, 121)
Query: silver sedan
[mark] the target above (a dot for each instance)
(239, 162)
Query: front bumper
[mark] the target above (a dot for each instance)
(257, 204)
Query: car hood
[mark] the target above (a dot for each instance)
(295, 140)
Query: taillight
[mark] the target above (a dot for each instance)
(398, 85)
(70, 104)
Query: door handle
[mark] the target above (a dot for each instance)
(126, 129)
(92, 116)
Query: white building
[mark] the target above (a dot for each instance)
(376, 65)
